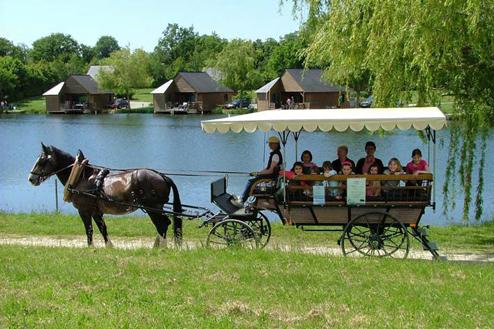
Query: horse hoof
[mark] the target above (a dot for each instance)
(109, 244)
(160, 242)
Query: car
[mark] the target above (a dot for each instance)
(238, 103)
(120, 103)
(367, 102)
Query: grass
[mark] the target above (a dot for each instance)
(143, 95)
(32, 105)
(148, 109)
(202, 288)
(473, 238)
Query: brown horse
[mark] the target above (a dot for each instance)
(120, 193)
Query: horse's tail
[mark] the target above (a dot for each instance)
(177, 205)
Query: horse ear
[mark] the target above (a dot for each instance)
(44, 148)
(80, 156)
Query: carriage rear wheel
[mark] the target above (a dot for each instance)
(232, 233)
(262, 228)
(375, 234)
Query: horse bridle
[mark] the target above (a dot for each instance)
(42, 176)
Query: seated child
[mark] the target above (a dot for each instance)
(307, 163)
(394, 168)
(373, 187)
(346, 170)
(416, 166)
(328, 171)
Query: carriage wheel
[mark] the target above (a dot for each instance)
(375, 234)
(262, 228)
(232, 233)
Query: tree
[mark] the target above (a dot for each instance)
(288, 54)
(130, 70)
(55, 46)
(237, 65)
(423, 50)
(12, 75)
(7, 48)
(105, 46)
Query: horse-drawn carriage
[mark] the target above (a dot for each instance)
(370, 226)
(377, 226)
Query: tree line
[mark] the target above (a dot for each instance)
(243, 64)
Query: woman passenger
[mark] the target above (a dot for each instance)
(364, 164)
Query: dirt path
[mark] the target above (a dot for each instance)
(136, 243)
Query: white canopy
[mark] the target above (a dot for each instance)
(325, 120)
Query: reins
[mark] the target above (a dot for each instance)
(44, 177)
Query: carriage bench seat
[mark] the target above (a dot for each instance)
(221, 198)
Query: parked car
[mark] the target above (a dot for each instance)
(366, 102)
(120, 103)
(238, 103)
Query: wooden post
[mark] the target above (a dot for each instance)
(56, 195)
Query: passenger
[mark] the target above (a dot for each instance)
(373, 187)
(346, 170)
(390, 190)
(297, 170)
(417, 165)
(328, 171)
(364, 164)
(306, 159)
(342, 157)
(272, 169)
(394, 168)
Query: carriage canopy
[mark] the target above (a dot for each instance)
(356, 119)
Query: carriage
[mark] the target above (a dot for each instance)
(369, 226)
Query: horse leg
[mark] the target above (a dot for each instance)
(161, 222)
(88, 225)
(177, 230)
(100, 222)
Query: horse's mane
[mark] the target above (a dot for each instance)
(63, 156)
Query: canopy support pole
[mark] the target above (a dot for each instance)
(296, 135)
(284, 138)
(431, 137)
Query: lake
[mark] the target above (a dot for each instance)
(170, 143)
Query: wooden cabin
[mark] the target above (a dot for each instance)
(77, 94)
(305, 88)
(190, 92)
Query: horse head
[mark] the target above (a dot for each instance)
(49, 162)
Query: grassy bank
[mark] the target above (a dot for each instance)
(143, 95)
(101, 288)
(478, 238)
(32, 105)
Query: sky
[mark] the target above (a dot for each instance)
(139, 23)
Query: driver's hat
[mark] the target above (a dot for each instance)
(274, 139)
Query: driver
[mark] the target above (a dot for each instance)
(272, 169)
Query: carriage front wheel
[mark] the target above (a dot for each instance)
(376, 234)
(232, 233)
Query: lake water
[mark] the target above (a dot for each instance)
(171, 143)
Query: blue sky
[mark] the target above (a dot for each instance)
(139, 23)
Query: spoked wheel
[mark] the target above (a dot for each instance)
(262, 228)
(232, 233)
(375, 234)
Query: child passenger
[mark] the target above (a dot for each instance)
(328, 171)
(373, 187)
(394, 168)
(307, 163)
(346, 170)
(417, 165)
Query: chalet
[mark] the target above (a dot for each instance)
(190, 92)
(77, 94)
(305, 88)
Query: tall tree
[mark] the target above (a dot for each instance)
(55, 46)
(130, 70)
(423, 49)
(237, 66)
(105, 46)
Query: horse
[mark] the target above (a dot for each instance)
(119, 193)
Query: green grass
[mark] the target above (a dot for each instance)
(143, 95)
(148, 109)
(202, 288)
(32, 105)
(473, 238)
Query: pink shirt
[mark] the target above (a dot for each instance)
(412, 167)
